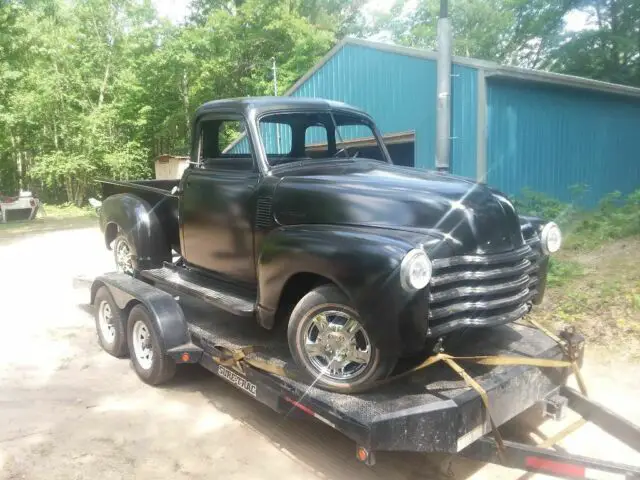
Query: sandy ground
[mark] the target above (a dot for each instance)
(70, 411)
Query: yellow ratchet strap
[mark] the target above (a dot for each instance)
(236, 358)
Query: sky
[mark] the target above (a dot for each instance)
(177, 10)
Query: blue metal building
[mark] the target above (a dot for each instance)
(511, 127)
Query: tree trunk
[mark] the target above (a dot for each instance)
(69, 189)
(185, 103)
(55, 133)
(80, 193)
(103, 87)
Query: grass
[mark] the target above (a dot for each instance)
(50, 218)
(598, 292)
(594, 282)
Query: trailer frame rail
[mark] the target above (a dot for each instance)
(539, 459)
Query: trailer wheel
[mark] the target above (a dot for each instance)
(109, 324)
(329, 342)
(124, 255)
(151, 365)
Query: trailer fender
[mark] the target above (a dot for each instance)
(167, 316)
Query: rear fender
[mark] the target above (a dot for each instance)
(168, 320)
(140, 224)
(363, 263)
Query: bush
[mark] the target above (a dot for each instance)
(75, 174)
(616, 216)
(543, 206)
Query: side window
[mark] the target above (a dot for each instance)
(276, 138)
(316, 142)
(224, 145)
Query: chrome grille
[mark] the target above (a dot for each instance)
(477, 290)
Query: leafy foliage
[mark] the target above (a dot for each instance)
(617, 216)
(609, 49)
(99, 88)
(520, 32)
(532, 33)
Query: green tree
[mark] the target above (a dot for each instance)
(519, 32)
(98, 88)
(609, 49)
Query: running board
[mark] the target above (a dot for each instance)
(187, 283)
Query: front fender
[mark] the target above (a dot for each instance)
(139, 222)
(363, 262)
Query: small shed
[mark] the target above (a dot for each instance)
(169, 167)
(511, 127)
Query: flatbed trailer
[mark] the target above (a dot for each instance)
(429, 410)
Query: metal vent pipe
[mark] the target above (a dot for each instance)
(443, 101)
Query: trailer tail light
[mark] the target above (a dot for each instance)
(308, 411)
(556, 468)
(362, 454)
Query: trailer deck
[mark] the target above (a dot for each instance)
(430, 410)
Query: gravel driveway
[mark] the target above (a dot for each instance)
(70, 411)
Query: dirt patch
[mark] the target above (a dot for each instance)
(602, 300)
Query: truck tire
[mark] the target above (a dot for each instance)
(330, 344)
(124, 254)
(110, 324)
(151, 365)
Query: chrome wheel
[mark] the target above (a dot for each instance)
(337, 345)
(142, 347)
(124, 260)
(105, 321)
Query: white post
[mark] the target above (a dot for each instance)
(443, 100)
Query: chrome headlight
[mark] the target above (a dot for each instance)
(415, 270)
(550, 238)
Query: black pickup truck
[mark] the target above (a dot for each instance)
(292, 211)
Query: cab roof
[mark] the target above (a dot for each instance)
(260, 105)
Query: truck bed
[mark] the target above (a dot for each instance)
(430, 410)
(159, 187)
(157, 193)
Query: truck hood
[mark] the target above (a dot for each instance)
(468, 216)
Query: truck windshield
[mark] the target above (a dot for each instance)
(299, 136)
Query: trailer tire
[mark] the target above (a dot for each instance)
(341, 343)
(149, 362)
(110, 324)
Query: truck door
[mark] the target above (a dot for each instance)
(218, 200)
